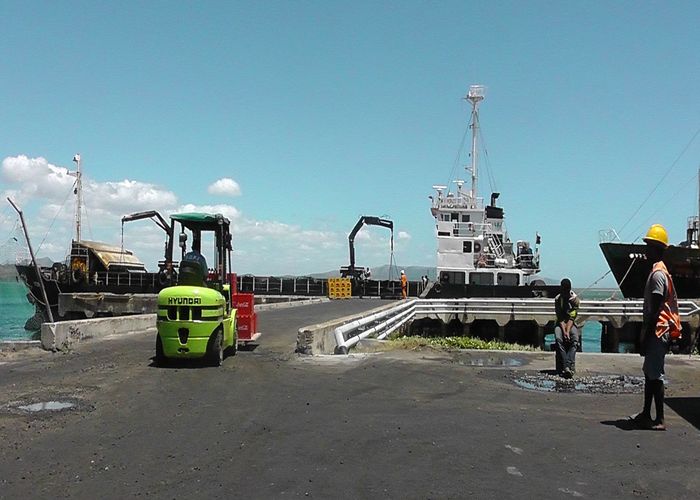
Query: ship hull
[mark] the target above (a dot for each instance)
(58, 283)
(454, 291)
(630, 268)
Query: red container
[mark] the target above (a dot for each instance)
(233, 281)
(247, 325)
(244, 302)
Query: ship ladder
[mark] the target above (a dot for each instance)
(495, 247)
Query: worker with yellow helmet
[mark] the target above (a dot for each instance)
(661, 324)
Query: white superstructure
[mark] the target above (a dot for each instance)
(473, 244)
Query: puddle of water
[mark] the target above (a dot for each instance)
(541, 385)
(601, 384)
(47, 406)
(504, 362)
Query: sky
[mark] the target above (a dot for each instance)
(295, 118)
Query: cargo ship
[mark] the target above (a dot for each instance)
(475, 255)
(630, 268)
(93, 266)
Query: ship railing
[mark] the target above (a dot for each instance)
(125, 279)
(272, 285)
(464, 201)
(381, 324)
(608, 236)
(261, 285)
(318, 287)
(463, 229)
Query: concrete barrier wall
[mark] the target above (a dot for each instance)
(320, 338)
(285, 302)
(62, 335)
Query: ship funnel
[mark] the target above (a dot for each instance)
(494, 197)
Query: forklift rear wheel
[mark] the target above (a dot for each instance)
(160, 360)
(215, 352)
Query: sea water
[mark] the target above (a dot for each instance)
(14, 311)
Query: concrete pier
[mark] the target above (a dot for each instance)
(527, 321)
(271, 424)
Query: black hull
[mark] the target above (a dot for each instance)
(683, 264)
(57, 283)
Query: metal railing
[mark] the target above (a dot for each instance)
(383, 323)
(270, 285)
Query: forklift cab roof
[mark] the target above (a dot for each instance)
(202, 222)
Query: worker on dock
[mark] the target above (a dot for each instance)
(195, 255)
(661, 324)
(566, 333)
(404, 285)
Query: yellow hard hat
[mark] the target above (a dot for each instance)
(657, 234)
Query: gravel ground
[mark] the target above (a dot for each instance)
(398, 424)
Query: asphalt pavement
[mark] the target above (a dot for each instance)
(273, 424)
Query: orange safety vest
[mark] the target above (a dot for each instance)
(669, 318)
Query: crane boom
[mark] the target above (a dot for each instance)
(160, 221)
(369, 220)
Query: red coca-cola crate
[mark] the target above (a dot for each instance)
(247, 326)
(244, 302)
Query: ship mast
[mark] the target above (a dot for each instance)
(475, 96)
(79, 197)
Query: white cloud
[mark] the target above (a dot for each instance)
(36, 177)
(127, 196)
(228, 211)
(262, 247)
(403, 235)
(225, 187)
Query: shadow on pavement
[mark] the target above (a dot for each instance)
(624, 424)
(687, 408)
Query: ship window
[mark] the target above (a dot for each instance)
(465, 217)
(456, 278)
(455, 217)
(508, 279)
(467, 247)
(477, 247)
(445, 217)
(481, 278)
(443, 233)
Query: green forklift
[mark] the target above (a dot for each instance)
(195, 316)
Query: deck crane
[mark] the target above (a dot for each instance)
(167, 269)
(352, 271)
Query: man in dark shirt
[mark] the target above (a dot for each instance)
(566, 332)
(195, 255)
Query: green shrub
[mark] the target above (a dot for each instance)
(457, 343)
